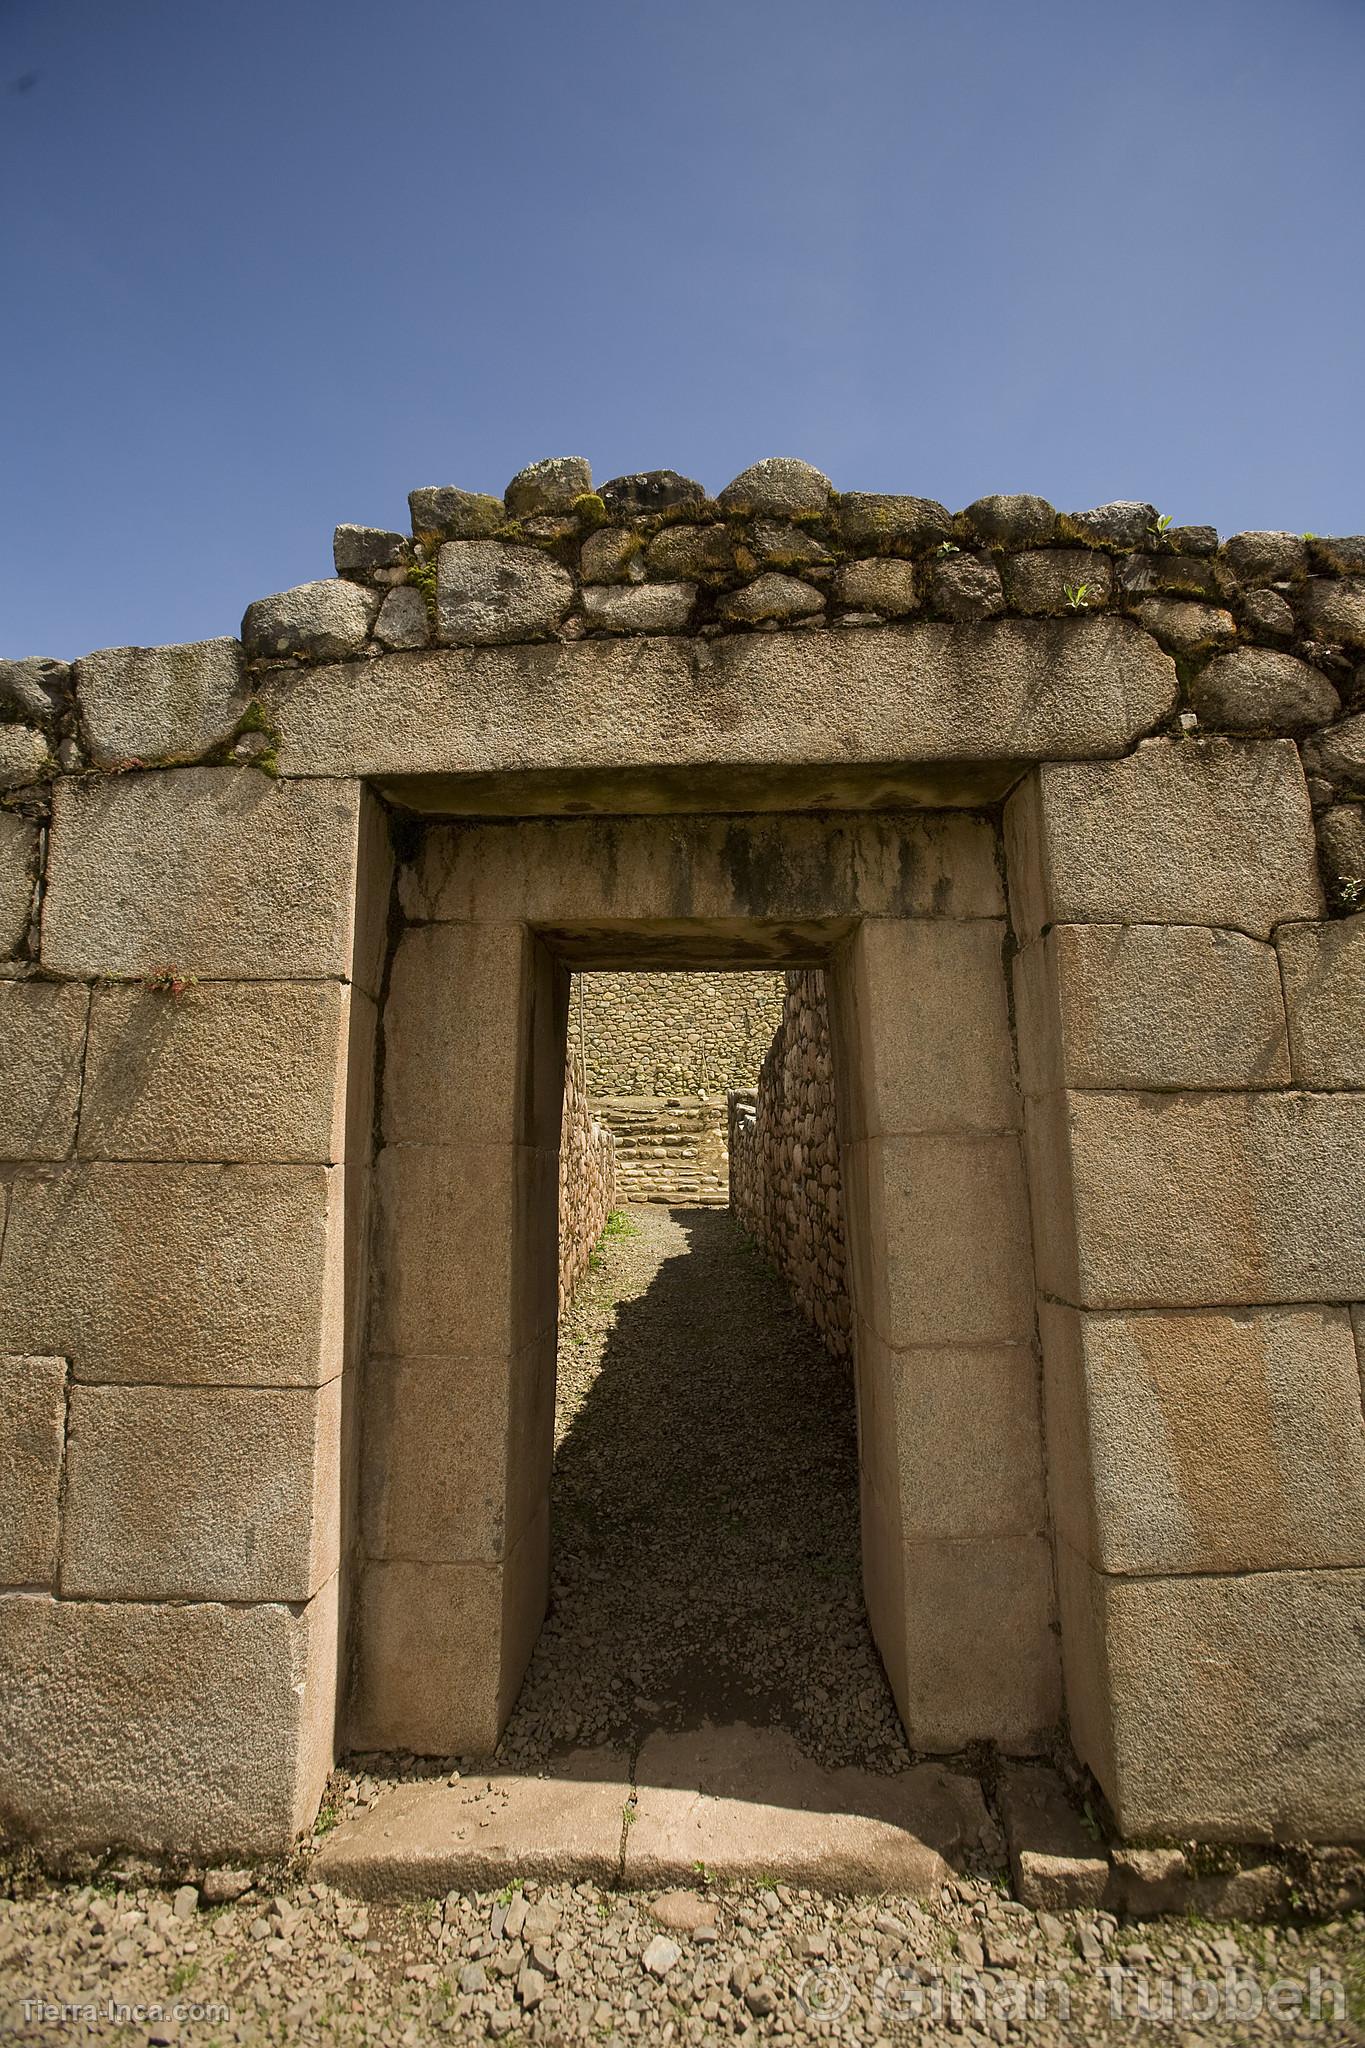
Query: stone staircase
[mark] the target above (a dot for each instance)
(669, 1148)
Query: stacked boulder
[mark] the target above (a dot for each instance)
(587, 1182)
(785, 1187)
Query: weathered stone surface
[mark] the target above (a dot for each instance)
(1180, 832)
(203, 1275)
(42, 1038)
(649, 492)
(1188, 629)
(314, 621)
(640, 607)
(779, 868)
(24, 756)
(771, 596)
(361, 550)
(548, 486)
(1170, 575)
(490, 594)
(744, 1802)
(1011, 520)
(1257, 689)
(780, 485)
(1149, 1006)
(1037, 580)
(420, 1840)
(227, 1070)
(966, 587)
(34, 687)
(1341, 839)
(1259, 1675)
(881, 584)
(1058, 1864)
(403, 619)
(962, 1601)
(188, 1730)
(159, 703)
(1148, 1881)
(455, 515)
(780, 544)
(1018, 689)
(201, 1493)
(1188, 1200)
(614, 554)
(1266, 614)
(32, 1433)
(1205, 1441)
(889, 524)
(1334, 609)
(1342, 555)
(1324, 991)
(922, 1010)
(203, 871)
(18, 857)
(1339, 755)
(1265, 557)
(941, 1240)
(1123, 524)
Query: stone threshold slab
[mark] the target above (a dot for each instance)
(740, 1804)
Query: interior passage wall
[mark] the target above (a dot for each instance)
(672, 1034)
(587, 1180)
(785, 1185)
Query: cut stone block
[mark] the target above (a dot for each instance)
(1143, 1881)
(18, 855)
(1182, 1201)
(201, 1493)
(474, 1037)
(1149, 1006)
(1017, 689)
(462, 1492)
(1221, 1709)
(1213, 832)
(1324, 991)
(923, 1023)
(442, 1649)
(748, 1805)
(938, 1233)
(226, 1070)
(211, 871)
(1198, 1442)
(463, 1257)
(603, 870)
(179, 1730)
(158, 703)
(420, 1840)
(32, 1433)
(490, 594)
(42, 1038)
(1058, 1864)
(210, 1275)
(963, 1601)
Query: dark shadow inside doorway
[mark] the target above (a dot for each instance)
(704, 1512)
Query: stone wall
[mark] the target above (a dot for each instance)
(785, 1186)
(669, 1148)
(587, 1180)
(667, 1035)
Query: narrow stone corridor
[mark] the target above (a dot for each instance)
(704, 1512)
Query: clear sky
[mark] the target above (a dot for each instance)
(268, 264)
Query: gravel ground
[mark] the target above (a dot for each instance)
(706, 1563)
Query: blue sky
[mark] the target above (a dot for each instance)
(268, 264)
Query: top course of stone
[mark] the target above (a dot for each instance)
(1267, 630)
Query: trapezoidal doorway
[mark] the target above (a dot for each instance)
(904, 911)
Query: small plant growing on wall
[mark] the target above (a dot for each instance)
(168, 981)
(1075, 595)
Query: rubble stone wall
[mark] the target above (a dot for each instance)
(667, 1035)
(785, 1185)
(668, 1148)
(587, 1180)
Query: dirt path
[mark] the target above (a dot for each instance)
(704, 1511)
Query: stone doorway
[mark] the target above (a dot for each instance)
(905, 912)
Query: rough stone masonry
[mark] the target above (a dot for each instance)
(1066, 808)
